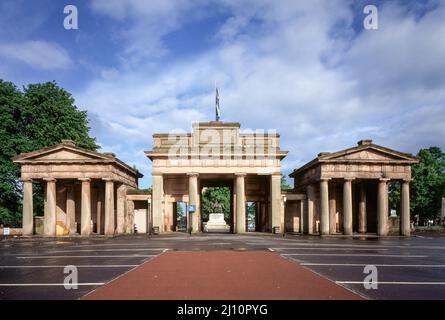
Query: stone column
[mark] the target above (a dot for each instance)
(109, 207)
(120, 212)
(283, 213)
(347, 206)
(332, 209)
(405, 226)
(302, 220)
(310, 209)
(130, 217)
(240, 203)
(85, 211)
(27, 215)
(49, 222)
(275, 197)
(382, 207)
(70, 209)
(194, 200)
(362, 209)
(158, 199)
(324, 206)
(150, 218)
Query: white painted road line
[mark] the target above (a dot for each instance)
(112, 256)
(114, 245)
(352, 255)
(107, 250)
(377, 265)
(50, 284)
(347, 249)
(77, 266)
(393, 282)
(378, 246)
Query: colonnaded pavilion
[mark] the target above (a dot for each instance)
(343, 192)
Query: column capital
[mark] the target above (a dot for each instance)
(192, 174)
(240, 174)
(325, 179)
(108, 179)
(156, 174)
(348, 179)
(49, 179)
(384, 179)
(407, 180)
(84, 179)
(26, 180)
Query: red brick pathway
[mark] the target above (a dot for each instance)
(221, 275)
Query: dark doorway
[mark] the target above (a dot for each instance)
(371, 207)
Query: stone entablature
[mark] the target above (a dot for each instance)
(66, 161)
(216, 147)
(222, 137)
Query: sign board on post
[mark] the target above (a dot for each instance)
(192, 208)
(6, 231)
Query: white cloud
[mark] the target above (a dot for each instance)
(38, 54)
(271, 68)
(145, 23)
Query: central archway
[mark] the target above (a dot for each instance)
(217, 197)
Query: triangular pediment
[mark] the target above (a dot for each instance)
(61, 153)
(368, 153)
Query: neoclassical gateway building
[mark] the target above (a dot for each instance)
(343, 192)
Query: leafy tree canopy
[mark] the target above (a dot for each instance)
(216, 195)
(38, 116)
(428, 185)
(284, 185)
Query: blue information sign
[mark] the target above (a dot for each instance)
(192, 208)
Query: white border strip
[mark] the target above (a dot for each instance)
(77, 266)
(393, 282)
(377, 265)
(352, 255)
(50, 284)
(110, 256)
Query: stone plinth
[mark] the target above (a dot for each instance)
(216, 223)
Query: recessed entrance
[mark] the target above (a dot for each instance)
(217, 206)
(251, 216)
(180, 216)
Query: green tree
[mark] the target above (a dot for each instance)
(284, 185)
(12, 143)
(213, 195)
(394, 195)
(49, 115)
(39, 116)
(428, 185)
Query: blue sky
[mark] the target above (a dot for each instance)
(305, 68)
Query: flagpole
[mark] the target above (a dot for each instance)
(217, 107)
(216, 102)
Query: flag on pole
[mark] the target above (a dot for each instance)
(218, 109)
